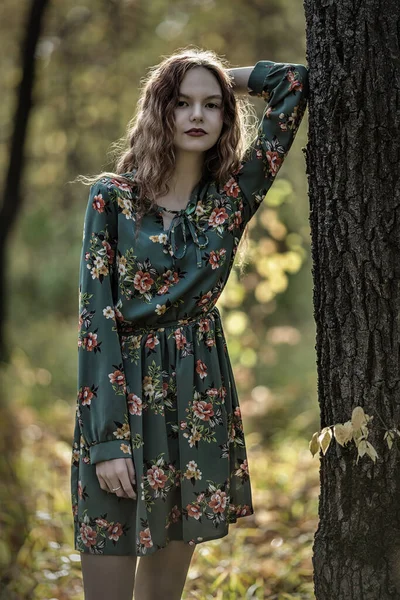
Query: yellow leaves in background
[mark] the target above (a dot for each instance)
(356, 429)
(264, 256)
(236, 322)
(281, 192)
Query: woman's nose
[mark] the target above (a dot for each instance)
(197, 112)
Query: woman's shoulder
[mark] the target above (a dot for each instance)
(119, 193)
(121, 181)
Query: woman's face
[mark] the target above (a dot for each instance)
(199, 106)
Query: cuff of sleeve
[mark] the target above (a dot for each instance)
(257, 78)
(109, 450)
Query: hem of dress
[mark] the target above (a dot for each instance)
(189, 542)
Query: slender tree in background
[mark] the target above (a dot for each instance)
(14, 515)
(353, 163)
(12, 197)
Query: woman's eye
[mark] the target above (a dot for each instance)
(211, 104)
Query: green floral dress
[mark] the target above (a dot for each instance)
(155, 381)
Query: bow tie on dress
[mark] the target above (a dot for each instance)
(184, 223)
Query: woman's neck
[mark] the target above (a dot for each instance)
(187, 173)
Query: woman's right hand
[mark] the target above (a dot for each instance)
(117, 473)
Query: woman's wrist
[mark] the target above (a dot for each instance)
(241, 77)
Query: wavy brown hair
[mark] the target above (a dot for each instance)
(148, 147)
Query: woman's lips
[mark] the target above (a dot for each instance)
(195, 133)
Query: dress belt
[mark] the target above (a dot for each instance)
(127, 328)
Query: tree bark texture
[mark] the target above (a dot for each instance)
(353, 168)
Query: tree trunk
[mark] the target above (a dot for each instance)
(12, 197)
(14, 516)
(353, 160)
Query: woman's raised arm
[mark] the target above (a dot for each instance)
(285, 89)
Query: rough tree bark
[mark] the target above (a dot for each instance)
(353, 164)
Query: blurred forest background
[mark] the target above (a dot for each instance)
(89, 61)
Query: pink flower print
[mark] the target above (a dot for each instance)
(180, 339)
(204, 300)
(156, 477)
(118, 377)
(237, 412)
(204, 325)
(275, 162)
(218, 217)
(85, 395)
(118, 314)
(237, 218)
(203, 410)
(90, 342)
(114, 532)
(213, 392)
(145, 538)
(201, 368)
(109, 251)
(242, 511)
(163, 290)
(215, 257)
(135, 404)
(175, 514)
(218, 501)
(98, 203)
(142, 282)
(121, 185)
(194, 511)
(231, 188)
(210, 342)
(88, 535)
(152, 341)
(102, 522)
(171, 277)
(245, 467)
(295, 84)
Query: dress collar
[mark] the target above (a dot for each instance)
(183, 221)
(198, 193)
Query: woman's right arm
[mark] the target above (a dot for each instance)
(101, 401)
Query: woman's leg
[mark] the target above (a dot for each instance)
(163, 574)
(108, 576)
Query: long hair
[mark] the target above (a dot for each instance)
(148, 145)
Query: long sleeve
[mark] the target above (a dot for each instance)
(101, 402)
(285, 88)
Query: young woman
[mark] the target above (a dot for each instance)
(159, 458)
